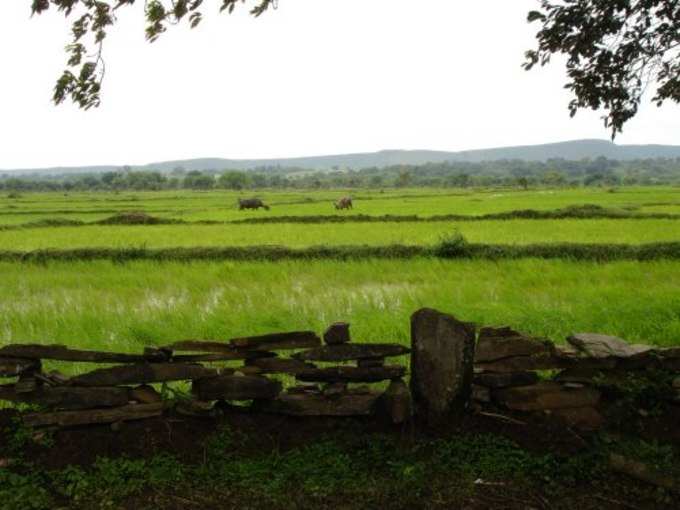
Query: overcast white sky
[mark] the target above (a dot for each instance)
(313, 77)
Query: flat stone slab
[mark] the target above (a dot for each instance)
(334, 389)
(502, 331)
(145, 394)
(67, 398)
(278, 341)
(581, 418)
(571, 357)
(524, 363)
(13, 367)
(235, 387)
(546, 395)
(310, 404)
(350, 352)
(337, 333)
(94, 416)
(505, 380)
(63, 353)
(496, 344)
(195, 408)
(351, 374)
(214, 351)
(221, 356)
(142, 374)
(280, 365)
(304, 388)
(605, 346)
(245, 370)
(371, 362)
(579, 375)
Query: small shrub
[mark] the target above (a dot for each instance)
(53, 222)
(135, 218)
(23, 492)
(451, 245)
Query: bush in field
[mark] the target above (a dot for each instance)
(451, 245)
(135, 218)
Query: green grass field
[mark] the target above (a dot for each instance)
(127, 306)
(221, 205)
(374, 233)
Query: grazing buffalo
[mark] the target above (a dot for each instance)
(344, 203)
(251, 203)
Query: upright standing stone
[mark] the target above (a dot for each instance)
(442, 357)
(337, 333)
(396, 402)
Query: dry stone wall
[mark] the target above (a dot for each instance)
(578, 384)
(455, 368)
(123, 391)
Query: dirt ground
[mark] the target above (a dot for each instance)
(185, 438)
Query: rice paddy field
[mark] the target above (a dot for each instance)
(106, 304)
(221, 205)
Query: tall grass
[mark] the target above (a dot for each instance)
(125, 307)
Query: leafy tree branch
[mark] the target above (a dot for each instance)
(616, 51)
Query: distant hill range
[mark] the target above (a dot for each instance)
(571, 150)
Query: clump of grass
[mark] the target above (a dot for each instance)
(53, 222)
(451, 245)
(135, 218)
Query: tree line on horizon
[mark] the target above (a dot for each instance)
(600, 171)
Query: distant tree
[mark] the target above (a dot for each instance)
(630, 180)
(198, 180)
(523, 182)
(376, 181)
(232, 180)
(404, 179)
(458, 180)
(258, 180)
(108, 178)
(615, 48)
(553, 178)
(173, 183)
(353, 181)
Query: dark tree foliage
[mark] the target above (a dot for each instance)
(82, 79)
(599, 171)
(616, 50)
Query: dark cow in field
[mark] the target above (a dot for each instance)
(251, 203)
(344, 203)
